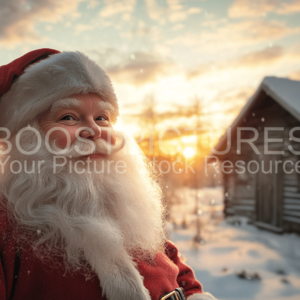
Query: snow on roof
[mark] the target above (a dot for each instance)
(285, 91)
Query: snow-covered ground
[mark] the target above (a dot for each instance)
(236, 260)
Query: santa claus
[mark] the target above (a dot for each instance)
(81, 215)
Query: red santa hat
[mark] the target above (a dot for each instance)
(31, 83)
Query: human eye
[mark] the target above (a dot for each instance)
(67, 118)
(102, 120)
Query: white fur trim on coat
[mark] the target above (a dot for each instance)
(203, 296)
(57, 77)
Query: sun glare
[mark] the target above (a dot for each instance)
(187, 139)
(189, 152)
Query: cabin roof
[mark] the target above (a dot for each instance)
(284, 91)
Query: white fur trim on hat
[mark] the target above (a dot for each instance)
(57, 77)
(203, 296)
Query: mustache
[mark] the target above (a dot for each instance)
(87, 147)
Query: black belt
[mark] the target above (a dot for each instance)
(177, 294)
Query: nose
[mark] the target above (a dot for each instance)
(95, 132)
(91, 132)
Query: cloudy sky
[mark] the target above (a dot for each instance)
(175, 50)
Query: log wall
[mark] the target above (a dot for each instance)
(242, 193)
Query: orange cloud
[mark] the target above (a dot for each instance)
(138, 69)
(257, 58)
(295, 75)
(142, 30)
(115, 7)
(18, 18)
(258, 8)
(251, 59)
(295, 50)
(175, 11)
(233, 100)
(232, 35)
(155, 11)
(199, 71)
(222, 110)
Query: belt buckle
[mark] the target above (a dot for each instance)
(169, 295)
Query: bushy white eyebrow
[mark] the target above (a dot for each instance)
(64, 103)
(105, 106)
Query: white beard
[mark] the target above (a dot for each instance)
(103, 219)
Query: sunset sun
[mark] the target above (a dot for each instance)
(189, 152)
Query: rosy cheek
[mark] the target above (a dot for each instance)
(108, 135)
(60, 136)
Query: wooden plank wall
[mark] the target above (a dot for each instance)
(240, 196)
(291, 198)
(240, 191)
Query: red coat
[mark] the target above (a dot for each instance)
(36, 280)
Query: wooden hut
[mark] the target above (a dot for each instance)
(265, 140)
